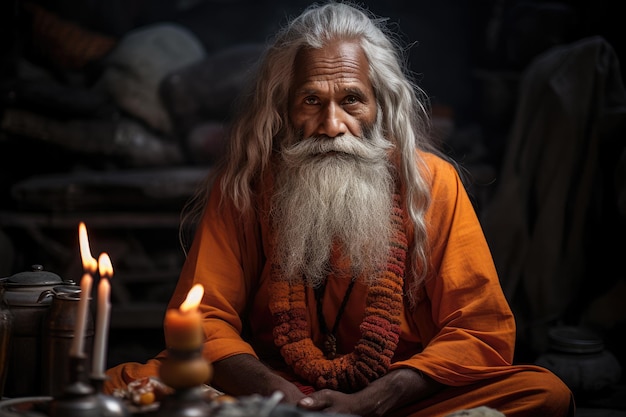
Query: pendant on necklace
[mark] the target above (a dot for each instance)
(330, 346)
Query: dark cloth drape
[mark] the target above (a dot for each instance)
(552, 216)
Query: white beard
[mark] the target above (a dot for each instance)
(333, 192)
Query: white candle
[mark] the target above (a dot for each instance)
(102, 317)
(102, 323)
(90, 266)
(81, 320)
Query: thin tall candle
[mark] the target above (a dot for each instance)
(103, 315)
(79, 332)
(90, 266)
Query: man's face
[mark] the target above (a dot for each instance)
(332, 94)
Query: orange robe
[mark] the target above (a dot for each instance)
(461, 333)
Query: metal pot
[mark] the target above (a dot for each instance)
(6, 326)
(23, 294)
(577, 356)
(58, 335)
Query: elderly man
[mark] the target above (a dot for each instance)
(342, 261)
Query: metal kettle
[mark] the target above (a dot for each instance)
(26, 295)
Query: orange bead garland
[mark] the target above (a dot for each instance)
(380, 329)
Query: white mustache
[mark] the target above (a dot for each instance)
(366, 149)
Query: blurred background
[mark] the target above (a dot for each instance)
(112, 111)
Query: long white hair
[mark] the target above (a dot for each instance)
(263, 113)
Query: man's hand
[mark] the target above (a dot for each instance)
(390, 392)
(336, 402)
(245, 375)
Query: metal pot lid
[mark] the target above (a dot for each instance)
(571, 339)
(66, 289)
(36, 277)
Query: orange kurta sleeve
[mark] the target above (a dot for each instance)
(462, 320)
(226, 258)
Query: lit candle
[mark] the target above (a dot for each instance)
(103, 314)
(89, 265)
(81, 320)
(183, 326)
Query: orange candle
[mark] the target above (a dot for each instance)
(183, 326)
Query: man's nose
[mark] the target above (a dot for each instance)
(332, 121)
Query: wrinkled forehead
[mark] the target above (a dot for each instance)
(342, 60)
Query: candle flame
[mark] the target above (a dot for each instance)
(104, 265)
(194, 296)
(90, 264)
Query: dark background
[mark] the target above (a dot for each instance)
(467, 55)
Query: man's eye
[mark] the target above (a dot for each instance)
(351, 100)
(310, 100)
